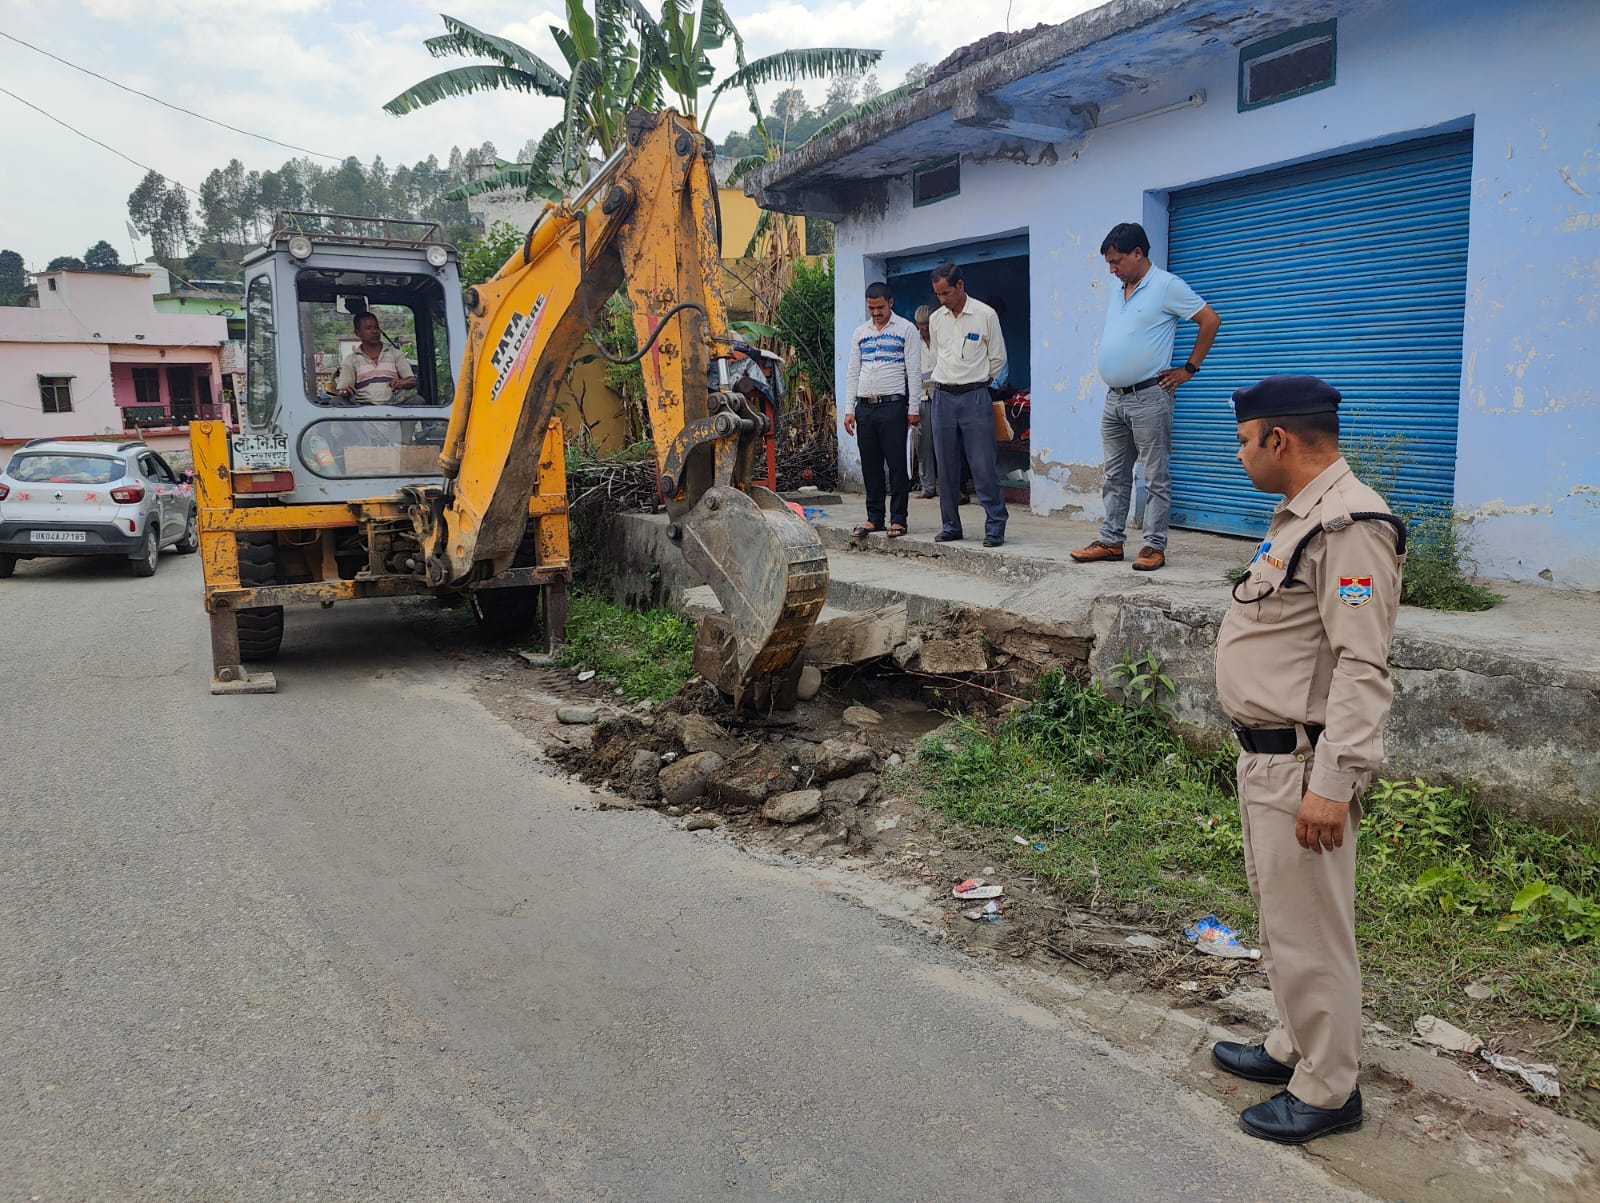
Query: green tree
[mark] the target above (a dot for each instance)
(144, 202)
(13, 277)
(64, 263)
(102, 257)
(482, 257)
(805, 321)
(618, 58)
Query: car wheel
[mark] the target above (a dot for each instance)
(260, 628)
(8, 565)
(149, 557)
(190, 543)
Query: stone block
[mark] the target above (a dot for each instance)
(854, 638)
(685, 780)
(793, 807)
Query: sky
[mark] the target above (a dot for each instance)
(316, 73)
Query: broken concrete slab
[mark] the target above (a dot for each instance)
(854, 638)
(950, 656)
(577, 716)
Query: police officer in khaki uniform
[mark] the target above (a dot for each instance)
(1303, 672)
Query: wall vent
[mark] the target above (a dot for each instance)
(936, 182)
(1287, 65)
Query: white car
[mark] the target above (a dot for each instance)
(67, 497)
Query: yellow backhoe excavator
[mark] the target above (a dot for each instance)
(326, 494)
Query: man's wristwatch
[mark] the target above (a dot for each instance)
(1192, 369)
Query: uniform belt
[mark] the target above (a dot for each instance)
(1278, 742)
(1133, 388)
(962, 388)
(881, 399)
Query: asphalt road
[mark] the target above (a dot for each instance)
(356, 941)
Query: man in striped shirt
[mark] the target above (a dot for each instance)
(882, 401)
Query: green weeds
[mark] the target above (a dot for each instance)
(1449, 894)
(647, 655)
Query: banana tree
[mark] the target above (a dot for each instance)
(606, 75)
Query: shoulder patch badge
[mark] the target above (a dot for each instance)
(1355, 591)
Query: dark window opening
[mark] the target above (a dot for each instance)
(55, 394)
(411, 317)
(936, 183)
(147, 386)
(1288, 65)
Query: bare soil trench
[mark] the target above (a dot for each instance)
(826, 787)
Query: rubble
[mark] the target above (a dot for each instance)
(702, 822)
(793, 807)
(855, 637)
(577, 716)
(810, 683)
(752, 778)
(835, 758)
(850, 791)
(948, 656)
(862, 717)
(685, 780)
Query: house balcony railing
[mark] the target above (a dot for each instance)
(144, 417)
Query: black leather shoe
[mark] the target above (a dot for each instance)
(947, 536)
(1288, 1121)
(994, 541)
(1251, 1062)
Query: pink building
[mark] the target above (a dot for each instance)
(95, 358)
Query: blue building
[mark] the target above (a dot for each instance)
(1402, 197)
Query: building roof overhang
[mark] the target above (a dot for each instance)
(1031, 103)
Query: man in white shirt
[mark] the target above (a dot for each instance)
(882, 400)
(969, 352)
(373, 373)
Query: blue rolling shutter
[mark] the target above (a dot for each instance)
(1353, 269)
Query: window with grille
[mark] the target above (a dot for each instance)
(1287, 65)
(55, 394)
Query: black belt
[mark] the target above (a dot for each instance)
(961, 388)
(1133, 388)
(1273, 743)
(881, 399)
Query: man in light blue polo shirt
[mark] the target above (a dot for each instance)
(1136, 364)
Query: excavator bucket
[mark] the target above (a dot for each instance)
(769, 571)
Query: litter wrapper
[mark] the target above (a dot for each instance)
(1213, 936)
(975, 888)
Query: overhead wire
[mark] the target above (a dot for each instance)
(167, 104)
(91, 138)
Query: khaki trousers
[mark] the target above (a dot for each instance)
(1307, 905)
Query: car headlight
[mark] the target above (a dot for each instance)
(437, 256)
(300, 246)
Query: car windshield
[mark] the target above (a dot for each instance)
(65, 469)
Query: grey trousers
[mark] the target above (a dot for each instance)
(1137, 428)
(964, 423)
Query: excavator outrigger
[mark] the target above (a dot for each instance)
(488, 520)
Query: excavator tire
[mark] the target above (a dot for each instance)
(510, 613)
(261, 628)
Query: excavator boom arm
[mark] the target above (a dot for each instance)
(649, 217)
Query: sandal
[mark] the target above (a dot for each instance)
(865, 529)
(896, 529)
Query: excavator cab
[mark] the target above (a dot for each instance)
(304, 293)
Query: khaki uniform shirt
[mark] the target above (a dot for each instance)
(1316, 651)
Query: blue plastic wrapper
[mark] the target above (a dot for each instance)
(1217, 938)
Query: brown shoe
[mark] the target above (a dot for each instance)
(1150, 558)
(1096, 552)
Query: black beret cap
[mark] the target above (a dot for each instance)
(1285, 396)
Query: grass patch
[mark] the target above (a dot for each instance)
(647, 655)
(1448, 894)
